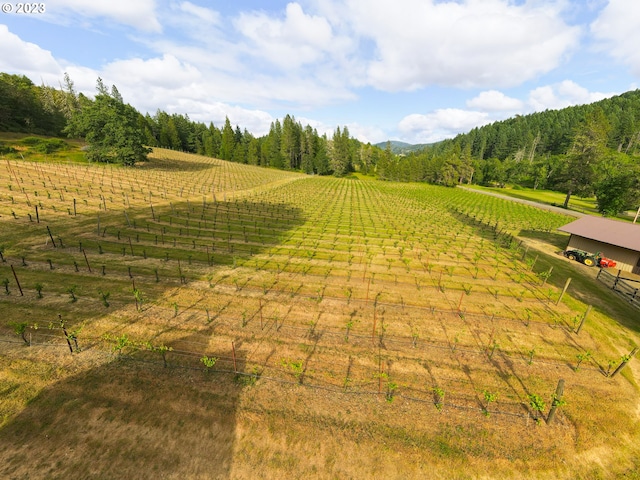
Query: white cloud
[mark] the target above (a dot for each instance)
(316, 55)
(415, 44)
(491, 106)
(213, 56)
(317, 52)
(84, 79)
(165, 72)
(495, 101)
(162, 82)
(168, 84)
(364, 133)
(289, 43)
(617, 30)
(140, 14)
(367, 133)
(563, 94)
(257, 58)
(200, 14)
(195, 30)
(26, 58)
(461, 44)
(255, 121)
(440, 124)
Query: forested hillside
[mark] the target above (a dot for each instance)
(402, 148)
(583, 150)
(30, 109)
(106, 121)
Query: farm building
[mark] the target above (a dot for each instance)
(617, 240)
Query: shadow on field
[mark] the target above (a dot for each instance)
(133, 416)
(480, 229)
(206, 233)
(583, 287)
(129, 418)
(558, 240)
(161, 163)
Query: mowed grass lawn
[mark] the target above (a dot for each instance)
(549, 197)
(225, 319)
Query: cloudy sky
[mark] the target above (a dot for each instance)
(411, 70)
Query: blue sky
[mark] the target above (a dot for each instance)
(411, 70)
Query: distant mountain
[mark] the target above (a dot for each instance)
(400, 148)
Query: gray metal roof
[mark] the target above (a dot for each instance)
(613, 232)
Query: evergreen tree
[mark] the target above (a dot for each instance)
(110, 128)
(172, 135)
(290, 143)
(216, 140)
(589, 145)
(228, 142)
(321, 160)
(619, 186)
(274, 152)
(618, 193)
(253, 151)
(22, 108)
(145, 124)
(341, 161)
(308, 149)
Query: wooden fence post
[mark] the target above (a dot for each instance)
(566, 285)
(584, 317)
(86, 260)
(66, 335)
(615, 282)
(233, 350)
(17, 281)
(51, 236)
(556, 401)
(625, 360)
(373, 332)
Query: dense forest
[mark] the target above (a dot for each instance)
(525, 149)
(583, 150)
(106, 121)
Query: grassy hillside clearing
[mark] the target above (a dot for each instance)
(232, 319)
(583, 205)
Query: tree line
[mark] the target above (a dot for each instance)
(289, 145)
(117, 133)
(583, 150)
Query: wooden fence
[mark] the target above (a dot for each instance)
(626, 287)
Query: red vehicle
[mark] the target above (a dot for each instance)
(589, 259)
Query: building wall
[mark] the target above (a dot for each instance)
(626, 259)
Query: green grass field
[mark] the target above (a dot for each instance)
(227, 319)
(548, 197)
